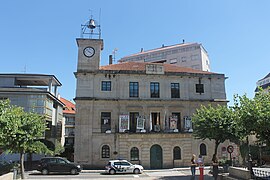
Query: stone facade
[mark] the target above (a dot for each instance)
(141, 112)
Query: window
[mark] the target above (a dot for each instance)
(173, 61)
(105, 121)
(133, 89)
(154, 89)
(133, 121)
(53, 160)
(105, 151)
(61, 161)
(106, 86)
(176, 153)
(194, 57)
(178, 115)
(3, 98)
(175, 90)
(134, 154)
(155, 122)
(199, 88)
(184, 59)
(203, 149)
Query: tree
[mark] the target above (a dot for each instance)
(262, 101)
(253, 118)
(20, 131)
(246, 111)
(214, 123)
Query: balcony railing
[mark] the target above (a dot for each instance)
(70, 123)
(70, 134)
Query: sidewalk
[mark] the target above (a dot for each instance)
(206, 168)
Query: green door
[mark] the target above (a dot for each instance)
(156, 157)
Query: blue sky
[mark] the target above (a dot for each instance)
(40, 36)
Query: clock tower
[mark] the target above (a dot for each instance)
(90, 46)
(89, 51)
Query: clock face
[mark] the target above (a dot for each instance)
(89, 52)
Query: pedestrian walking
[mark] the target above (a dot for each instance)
(193, 166)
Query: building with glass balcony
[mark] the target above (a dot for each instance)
(36, 93)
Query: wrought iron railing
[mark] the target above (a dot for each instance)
(262, 173)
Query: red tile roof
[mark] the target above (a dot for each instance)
(69, 107)
(140, 66)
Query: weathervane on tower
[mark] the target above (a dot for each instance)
(91, 29)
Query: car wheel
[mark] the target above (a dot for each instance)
(112, 171)
(136, 171)
(73, 171)
(45, 171)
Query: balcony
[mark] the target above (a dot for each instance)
(70, 134)
(70, 123)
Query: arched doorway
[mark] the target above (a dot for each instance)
(156, 158)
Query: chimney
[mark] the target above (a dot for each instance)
(141, 49)
(110, 59)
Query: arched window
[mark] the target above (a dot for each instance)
(105, 151)
(176, 153)
(203, 149)
(134, 154)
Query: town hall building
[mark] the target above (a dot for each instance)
(140, 111)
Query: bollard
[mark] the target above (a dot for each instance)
(201, 172)
(200, 163)
(250, 166)
(14, 173)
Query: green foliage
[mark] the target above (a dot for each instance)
(58, 148)
(214, 123)
(246, 117)
(253, 116)
(20, 131)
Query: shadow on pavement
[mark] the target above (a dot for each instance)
(185, 178)
(51, 173)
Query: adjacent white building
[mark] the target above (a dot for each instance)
(264, 83)
(192, 55)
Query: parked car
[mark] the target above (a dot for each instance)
(122, 166)
(5, 167)
(57, 164)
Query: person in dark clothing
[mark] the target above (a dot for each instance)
(215, 167)
(193, 166)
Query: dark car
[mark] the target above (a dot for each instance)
(57, 164)
(5, 167)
